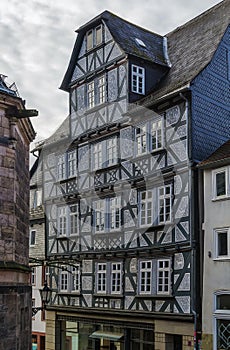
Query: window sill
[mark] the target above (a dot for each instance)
(95, 108)
(106, 168)
(100, 295)
(62, 181)
(221, 198)
(154, 296)
(62, 238)
(227, 258)
(69, 293)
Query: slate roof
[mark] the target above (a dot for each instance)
(124, 33)
(192, 46)
(4, 88)
(218, 158)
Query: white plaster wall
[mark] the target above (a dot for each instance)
(37, 324)
(216, 272)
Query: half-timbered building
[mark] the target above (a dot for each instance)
(121, 189)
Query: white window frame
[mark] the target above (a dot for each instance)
(219, 314)
(91, 94)
(101, 89)
(95, 39)
(218, 231)
(75, 279)
(101, 278)
(36, 198)
(146, 132)
(105, 153)
(61, 167)
(89, 40)
(64, 280)
(98, 29)
(156, 128)
(116, 277)
(146, 208)
(138, 79)
(99, 207)
(145, 277)
(32, 238)
(163, 276)
(72, 163)
(141, 139)
(214, 183)
(109, 277)
(97, 155)
(33, 276)
(73, 219)
(163, 200)
(67, 218)
(114, 213)
(62, 221)
(111, 151)
(69, 279)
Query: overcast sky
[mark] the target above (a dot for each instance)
(37, 38)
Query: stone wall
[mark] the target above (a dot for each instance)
(15, 290)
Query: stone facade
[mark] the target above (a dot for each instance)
(16, 133)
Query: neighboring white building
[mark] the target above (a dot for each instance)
(37, 255)
(216, 226)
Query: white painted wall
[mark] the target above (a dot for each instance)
(216, 272)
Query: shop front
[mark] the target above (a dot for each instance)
(92, 335)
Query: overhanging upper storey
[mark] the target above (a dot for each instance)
(106, 40)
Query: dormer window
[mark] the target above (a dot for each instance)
(89, 39)
(138, 79)
(94, 37)
(98, 35)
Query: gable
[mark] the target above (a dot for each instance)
(91, 60)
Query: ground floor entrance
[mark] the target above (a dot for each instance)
(38, 341)
(81, 335)
(76, 332)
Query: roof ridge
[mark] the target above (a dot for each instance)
(106, 13)
(196, 18)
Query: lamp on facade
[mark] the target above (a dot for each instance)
(46, 294)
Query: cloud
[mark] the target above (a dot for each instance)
(37, 37)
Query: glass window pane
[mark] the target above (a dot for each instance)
(98, 35)
(222, 243)
(89, 40)
(223, 334)
(220, 184)
(223, 302)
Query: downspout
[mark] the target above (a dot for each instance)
(193, 242)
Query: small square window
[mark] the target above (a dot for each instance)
(32, 237)
(220, 183)
(222, 243)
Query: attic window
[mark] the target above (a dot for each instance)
(94, 37)
(140, 42)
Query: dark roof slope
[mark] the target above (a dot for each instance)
(5, 88)
(124, 33)
(220, 157)
(192, 46)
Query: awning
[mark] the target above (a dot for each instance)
(106, 335)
